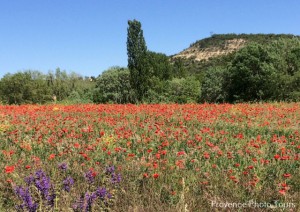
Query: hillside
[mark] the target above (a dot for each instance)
(218, 49)
(223, 44)
(199, 53)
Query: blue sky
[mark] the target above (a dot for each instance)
(89, 36)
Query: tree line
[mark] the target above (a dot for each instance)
(34, 87)
(266, 70)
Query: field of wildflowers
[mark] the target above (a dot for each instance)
(148, 157)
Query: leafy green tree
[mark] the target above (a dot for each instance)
(61, 87)
(184, 90)
(251, 75)
(179, 70)
(114, 86)
(160, 65)
(13, 87)
(158, 92)
(137, 59)
(24, 87)
(40, 92)
(285, 55)
(212, 87)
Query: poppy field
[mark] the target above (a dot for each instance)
(164, 157)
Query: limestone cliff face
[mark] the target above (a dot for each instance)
(197, 53)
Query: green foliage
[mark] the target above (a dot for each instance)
(33, 87)
(26, 87)
(251, 75)
(113, 85)
(213, 86)
(179, 69)
(219, 40)
(137, 59)
(266, 69)
(177, 90)
(160, 65)
(184, 90)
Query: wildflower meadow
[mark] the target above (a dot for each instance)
(154, 157)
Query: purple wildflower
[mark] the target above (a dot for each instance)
(40, 174)
(101, 192)
(63, 166)
(78, 205)
(115, 178)
(90, 176)
(43, 185)
(89, 200)
(85, 203)
(67, 183)
(109, 196)
(29, 180)
(110, 169)
(50, 199)
(24, 194)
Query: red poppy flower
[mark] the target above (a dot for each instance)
(155, 175)
(52, 156)
(9, 169)
(282, 191)
(276, 156)
(77, 145)
(250, 167)
(180, 153)
(157, 155)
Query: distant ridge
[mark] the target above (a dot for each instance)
(223, 44)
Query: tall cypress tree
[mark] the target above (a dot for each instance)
(137, 59)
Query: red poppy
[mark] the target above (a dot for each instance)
(155, 175)
(9, 169)
(276, 156)
(157, 155)
(180, 153)
(77, 145)
(250, 167)
(287, 175)
(52, 156)
(282, 191)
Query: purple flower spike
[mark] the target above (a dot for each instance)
(110, 169)
(115, 178)
(67, 184)
(50, 199)
(101, 193)
(78, 205)
(29, 180)
(89, 176)
(24, 194)
(63, 166)
(89, 200)
(43, 185)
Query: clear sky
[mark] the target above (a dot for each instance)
(89, 36)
